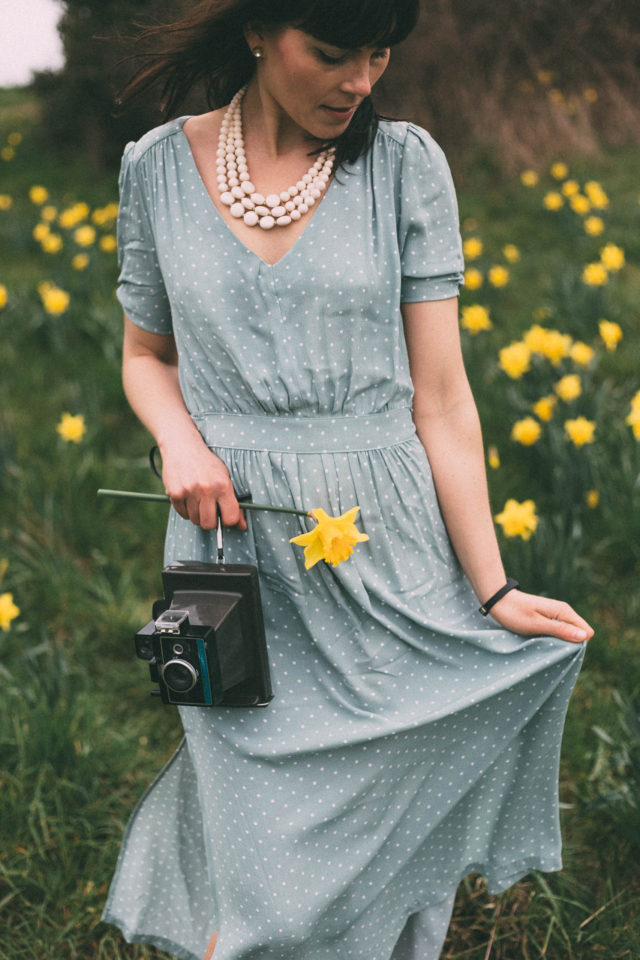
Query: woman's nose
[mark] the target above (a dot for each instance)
(358, 79)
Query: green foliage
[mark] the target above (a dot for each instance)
(585, 488)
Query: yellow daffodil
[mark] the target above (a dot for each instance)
(580, 204)
(529, 178)
(4, 296)
(592, 498)
(544, 407)
(6, 201)
(611, 334)
(594, 226)
(38, 195)
(596, 194)
(7, 154)
(40, 231)
(580, 430)
(569, 387)
(590, 95)
(73, 215)
(71, 428)
(518, 519)
(332, 539)
(498, 276)
(108, 243)
(633, 418)
(515, 359)
(555, 95)
(544, 77)
(559, 171)
(548, 343)
(493, 457)
(52, 243)
(8, 611)
(595, 275)
(472, 278)
(80, 261)
(54, 300)
(612, 257)
(570, 188)
(472, 248)
(85, 236)
(475, 318)
(511, 253)
(14, 139)
(535, 338)
(553, 200)
(526, 431)
(581, 353)
(49, 213)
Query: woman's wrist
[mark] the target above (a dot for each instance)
(488, 604)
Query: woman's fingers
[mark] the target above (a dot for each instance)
(199, 486)
(569, 624)
(530, 615)
(201, 505)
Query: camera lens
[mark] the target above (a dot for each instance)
(179, 675)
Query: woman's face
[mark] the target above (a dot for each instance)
(314, 84)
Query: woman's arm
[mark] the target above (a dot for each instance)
(447, 423)
(195, 479)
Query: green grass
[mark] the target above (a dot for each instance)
(79, 735)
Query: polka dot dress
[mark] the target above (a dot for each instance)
(410, 741)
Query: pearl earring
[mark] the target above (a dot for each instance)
(258, 53)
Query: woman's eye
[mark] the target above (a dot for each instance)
(380, 54)
(327, 59)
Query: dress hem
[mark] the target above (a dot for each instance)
(496, 885)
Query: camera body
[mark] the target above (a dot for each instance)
(206, 644)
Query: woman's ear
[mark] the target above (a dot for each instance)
(254, 36)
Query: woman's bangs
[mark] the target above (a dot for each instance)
(353, 24)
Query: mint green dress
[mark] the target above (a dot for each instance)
(410, 740)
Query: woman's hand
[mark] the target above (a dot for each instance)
(530, 615)
(198, 485)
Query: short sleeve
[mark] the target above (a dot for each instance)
(141, 289)
(429, 233)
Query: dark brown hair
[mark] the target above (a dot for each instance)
(208, 45)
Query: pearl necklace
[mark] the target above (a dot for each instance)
(239, 194)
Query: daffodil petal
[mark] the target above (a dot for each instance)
(313, 553)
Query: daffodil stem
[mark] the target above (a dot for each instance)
(163, 498)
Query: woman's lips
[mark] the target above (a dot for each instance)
(343, 113)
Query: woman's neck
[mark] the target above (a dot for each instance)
(269, 130)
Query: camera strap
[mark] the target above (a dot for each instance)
(219, 539)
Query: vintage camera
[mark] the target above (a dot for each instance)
(206, 644)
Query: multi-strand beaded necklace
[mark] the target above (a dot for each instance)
(238, 192)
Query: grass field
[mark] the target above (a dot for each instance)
(79, 735)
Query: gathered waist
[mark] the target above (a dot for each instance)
(289, 433)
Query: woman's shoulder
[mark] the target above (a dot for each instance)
(136, 149)
(401, 136)
(410, 151)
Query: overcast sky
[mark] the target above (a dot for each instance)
(29, 39)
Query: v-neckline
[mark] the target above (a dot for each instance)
(310, 220)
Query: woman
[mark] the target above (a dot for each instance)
(304, 347)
